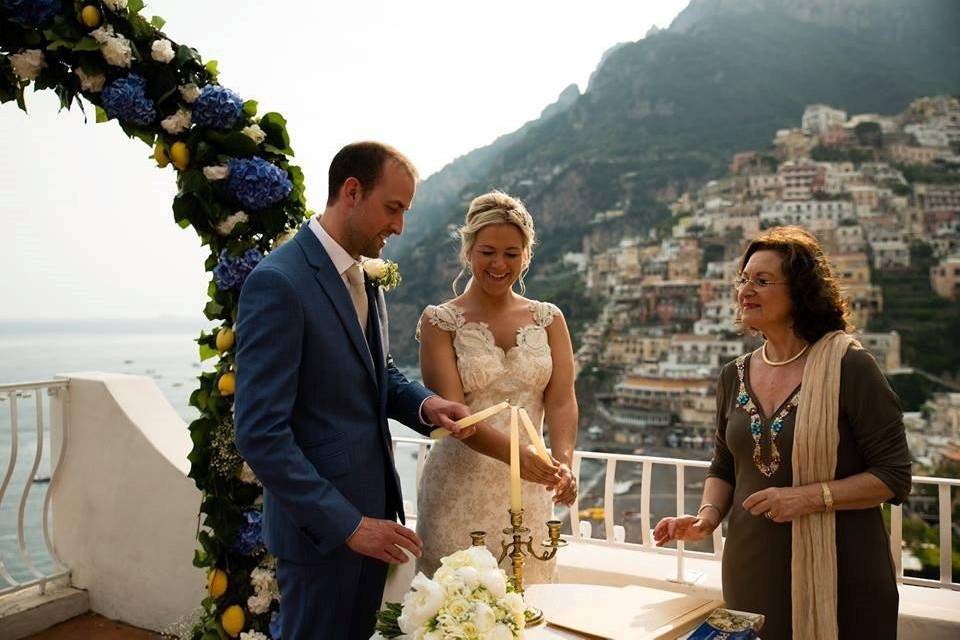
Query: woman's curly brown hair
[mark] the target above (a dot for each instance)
(818, 307)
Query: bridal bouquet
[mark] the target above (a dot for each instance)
(468, 598)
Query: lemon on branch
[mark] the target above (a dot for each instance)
(217, 583)
(233, 620)
(180, 155)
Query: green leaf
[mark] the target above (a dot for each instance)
(250, 108)
(211, 68)
(59, 44)
(206, 352)
(186, 54)
(213, 310)
(102, 115)
(134, 6)
(158, 22)
(86, 44)
(275, 126)
(234, 143)
(183, 224)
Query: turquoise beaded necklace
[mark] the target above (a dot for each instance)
(745, 402)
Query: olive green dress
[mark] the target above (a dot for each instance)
(756, 557)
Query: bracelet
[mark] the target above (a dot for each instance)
(827, 497)
(712, 506)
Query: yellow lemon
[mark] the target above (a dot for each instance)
(225, 339)
(160, 155)
(227, 383)
(90, 16)
(180, 155)
(217, 583)
(233, 620)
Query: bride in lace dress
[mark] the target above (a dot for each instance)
(485, 346)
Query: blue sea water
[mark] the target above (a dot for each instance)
(162, 349)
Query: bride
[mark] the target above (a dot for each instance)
(487, 345)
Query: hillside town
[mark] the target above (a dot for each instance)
(870, 187)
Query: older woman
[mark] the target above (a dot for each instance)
(809, 443)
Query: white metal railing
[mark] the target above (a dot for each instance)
(613, 534)
(18, 397)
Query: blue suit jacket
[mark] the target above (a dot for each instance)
(312, 402)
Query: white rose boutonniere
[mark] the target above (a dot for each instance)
(382, 273)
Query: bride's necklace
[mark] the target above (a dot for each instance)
(763, 354)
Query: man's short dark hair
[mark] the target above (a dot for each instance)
(363, 161)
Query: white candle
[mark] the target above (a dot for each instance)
(514, 461)
(535, 437)
(470, 420)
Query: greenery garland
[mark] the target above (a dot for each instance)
(240, 194)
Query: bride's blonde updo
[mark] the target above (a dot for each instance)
(495, 207)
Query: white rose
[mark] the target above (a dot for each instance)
(494, 582)
(162, 50)
(484, 617)
(375, 268)
(420, 604)
(500, 632)
(178, 122)
(262, 580)
(219, 172)
(115, 48)
(458, 608)
(28, 63)
(115, 5)
(255, 133)
(189, 93)
(93, 84)
(481, 558)
(259, 603)
(469, 576)
(246, 473)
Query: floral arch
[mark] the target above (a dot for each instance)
(236, 189)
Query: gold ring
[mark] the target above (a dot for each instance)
(769, 515)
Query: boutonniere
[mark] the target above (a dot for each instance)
(382, 273)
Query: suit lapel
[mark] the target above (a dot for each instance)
(332, 285)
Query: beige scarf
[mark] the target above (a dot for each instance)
(815, 439)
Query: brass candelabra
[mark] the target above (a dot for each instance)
(519, 548)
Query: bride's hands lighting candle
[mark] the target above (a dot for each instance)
(535, 437)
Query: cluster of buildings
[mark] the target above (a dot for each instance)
(869, 187)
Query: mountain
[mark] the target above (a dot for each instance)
(665, 113)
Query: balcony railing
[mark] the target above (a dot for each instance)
(24, 507)
(613, 535)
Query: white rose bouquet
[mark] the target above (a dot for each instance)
(469, 598)
(382, 273)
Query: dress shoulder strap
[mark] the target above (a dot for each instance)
(443, 316)
(544, 312)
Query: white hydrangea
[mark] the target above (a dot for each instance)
(28, 63)
(93, 84)
(259, 603)
(218, 172)
(255, 133)
(178, 122)
(225, 228)
(114, 47)
(115, 5)
(284, 238)
(253, 635)
(264, 581)
(189, 93)
(162, 51)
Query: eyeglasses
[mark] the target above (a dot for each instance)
(758, 283)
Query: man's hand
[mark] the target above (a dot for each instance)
(380, 539)
(443, 413)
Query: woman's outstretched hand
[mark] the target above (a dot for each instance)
(690, 528)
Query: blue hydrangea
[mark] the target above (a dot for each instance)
(250, 537)
(31, 13)
(217, 107)
(126, 100)
(231, 271)
(275, 625)
(256, 183)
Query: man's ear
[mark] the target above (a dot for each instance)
(351, 192)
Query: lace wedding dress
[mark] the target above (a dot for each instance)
(461, 490)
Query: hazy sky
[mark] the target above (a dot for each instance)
(86, 227)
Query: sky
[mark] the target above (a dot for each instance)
(86, 226)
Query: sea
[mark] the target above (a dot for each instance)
(165, 350)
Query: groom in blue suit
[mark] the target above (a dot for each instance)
(315, 387)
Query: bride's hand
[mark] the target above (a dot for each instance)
(567, 488)
(534, 469)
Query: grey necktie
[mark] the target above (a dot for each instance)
(358, 294)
